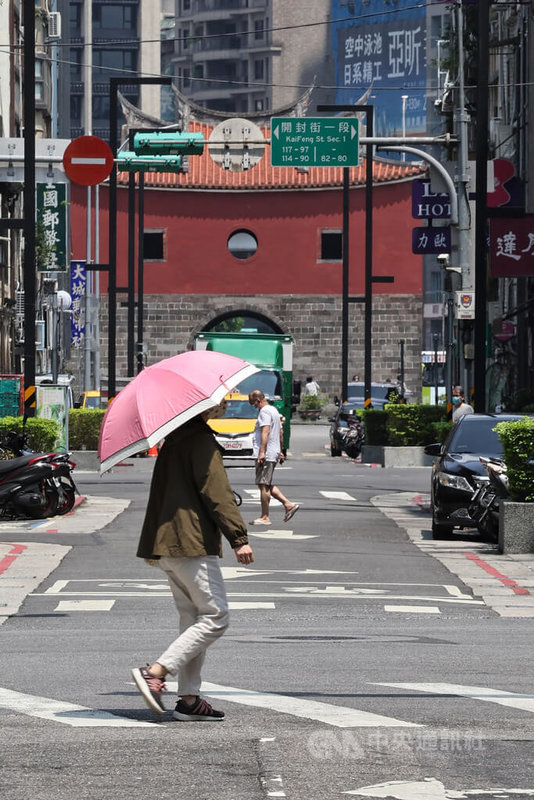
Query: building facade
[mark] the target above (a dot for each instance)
(241, 57)
(265, 247)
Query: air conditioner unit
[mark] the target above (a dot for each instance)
(40, 342)
(54, 25)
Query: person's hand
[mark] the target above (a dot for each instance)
(261, 458)
(244, 554)
(281, 458)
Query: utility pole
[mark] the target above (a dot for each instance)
(482, 206)
(29, 208)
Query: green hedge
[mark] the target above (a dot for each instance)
(84, 428)
(41, 434)
(412, 425)
(517, 438)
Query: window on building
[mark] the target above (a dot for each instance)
(113, 15)
(75, 18)
(259, 70)
(242, 244)
(154, 245)
(259, 29)
(331, 245)
(186, 5)
(75, 64)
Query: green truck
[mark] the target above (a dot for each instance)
(272, 353)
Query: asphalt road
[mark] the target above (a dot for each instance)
(357, 664)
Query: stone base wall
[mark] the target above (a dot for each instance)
(171, 321)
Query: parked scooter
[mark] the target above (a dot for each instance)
(485, 502)
(353, 437)
(35, 485)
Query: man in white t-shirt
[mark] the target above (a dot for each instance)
(267, 450)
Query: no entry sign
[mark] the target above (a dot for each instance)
(88, 160)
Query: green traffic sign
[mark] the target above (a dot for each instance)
(314, 142)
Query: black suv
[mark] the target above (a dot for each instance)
(457, 470)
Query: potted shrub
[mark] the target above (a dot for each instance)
(516, 520)
(310, 406)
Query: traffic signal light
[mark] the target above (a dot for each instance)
(168, 143)
(130, 162)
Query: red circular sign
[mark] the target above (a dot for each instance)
(88, 160)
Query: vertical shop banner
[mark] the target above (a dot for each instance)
(51, 244)
(78, 284)
(52, 403)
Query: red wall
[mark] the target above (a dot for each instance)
(287, 226)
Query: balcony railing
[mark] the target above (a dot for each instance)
(201, 6)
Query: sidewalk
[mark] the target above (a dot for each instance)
(25, 565)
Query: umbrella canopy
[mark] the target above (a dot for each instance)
(164, 396)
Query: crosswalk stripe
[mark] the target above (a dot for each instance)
(509, 699)
(337, 495)
(66, 713)
(338, 716)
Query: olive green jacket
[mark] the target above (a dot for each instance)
(191, 502)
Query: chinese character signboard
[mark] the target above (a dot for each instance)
(314, 142)
(78, 283)
(386, 52)
(431, 241)
(51, 240)
(512, 247)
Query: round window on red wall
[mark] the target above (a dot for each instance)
(242, 244)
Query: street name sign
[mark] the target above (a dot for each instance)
(314, 142)
(88, 160)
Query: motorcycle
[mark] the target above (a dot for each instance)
(486, 500)
(353, 437)
(35, 485)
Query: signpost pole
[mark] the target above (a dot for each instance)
(368, 110)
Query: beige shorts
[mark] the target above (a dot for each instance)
(264, 473)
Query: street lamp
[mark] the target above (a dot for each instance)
(404, 98)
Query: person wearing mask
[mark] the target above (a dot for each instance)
(267, 450)
(459, 406)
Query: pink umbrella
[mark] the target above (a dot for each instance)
(164, 396)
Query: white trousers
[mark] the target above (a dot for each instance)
(198, 589)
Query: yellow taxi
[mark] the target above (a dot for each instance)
(234, 429)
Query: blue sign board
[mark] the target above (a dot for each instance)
(78, 284)
(431, 240)
(427, 204)
(385, 52)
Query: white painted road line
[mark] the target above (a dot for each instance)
(508, 699)
(66, 713)
(85, 605)
(339, 716)
(414, 609)
(285, 535)
(338, 496)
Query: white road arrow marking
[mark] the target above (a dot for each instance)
(338, 716)
(66, 713)
(429, 789)
(432, 789)
(508, 699)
